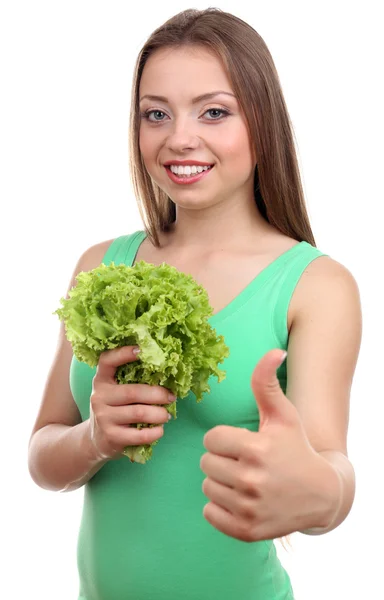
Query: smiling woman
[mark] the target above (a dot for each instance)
(241, 108)
(216, 177)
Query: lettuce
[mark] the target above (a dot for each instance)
(158, 308)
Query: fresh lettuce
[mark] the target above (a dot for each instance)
(158, 308)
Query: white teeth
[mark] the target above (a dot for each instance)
(188, 170)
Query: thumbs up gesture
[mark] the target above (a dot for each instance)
(266, 484)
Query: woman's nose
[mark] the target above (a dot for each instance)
(182, 136)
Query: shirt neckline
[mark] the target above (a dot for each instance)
(242, 297)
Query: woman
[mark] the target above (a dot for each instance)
(214, 165)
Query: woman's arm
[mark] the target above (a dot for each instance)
(60, 455)
(323, 348)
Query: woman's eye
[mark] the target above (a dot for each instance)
(157, 112)
(217, 110)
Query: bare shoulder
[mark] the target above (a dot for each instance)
(327, 283)
(93, 256)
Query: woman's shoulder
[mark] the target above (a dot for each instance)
(93, 255)
(321, 275)
(328, 272)
(328, 284)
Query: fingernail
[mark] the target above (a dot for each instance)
(169, 417)
(171, 397)
(283, 357)
(136, 350)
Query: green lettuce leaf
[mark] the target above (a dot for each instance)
(158, 308)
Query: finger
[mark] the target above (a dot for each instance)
(265, 385)
(220, 494)
(139, 393)
(139, 413)
(227, 523)
(111, 359)
(237, 503)
(227, 441)
(137, 437)
(219, 468)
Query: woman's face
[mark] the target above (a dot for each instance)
(181, 127)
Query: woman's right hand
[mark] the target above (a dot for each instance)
(114, 407)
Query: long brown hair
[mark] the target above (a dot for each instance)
(250, 68)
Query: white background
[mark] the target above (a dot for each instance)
(66, 71)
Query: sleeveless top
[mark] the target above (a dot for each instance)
(143, 535)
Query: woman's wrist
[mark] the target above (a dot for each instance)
(94, 459)
(332, 488)
(90, 447)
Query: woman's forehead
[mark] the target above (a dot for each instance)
(193, 70)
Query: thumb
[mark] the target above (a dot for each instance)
(270, 398)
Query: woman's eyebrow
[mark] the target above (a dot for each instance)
(194, 101)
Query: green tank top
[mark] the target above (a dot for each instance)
(142, 533)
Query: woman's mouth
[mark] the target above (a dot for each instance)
(187, 177)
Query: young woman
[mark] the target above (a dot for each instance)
(214, 166)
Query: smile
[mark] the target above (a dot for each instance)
(187, 174)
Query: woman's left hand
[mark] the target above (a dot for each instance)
(267, 484)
